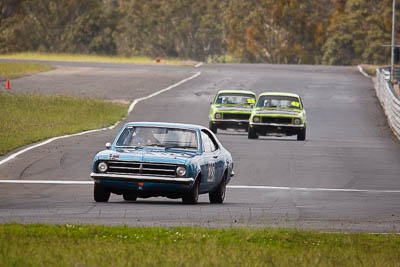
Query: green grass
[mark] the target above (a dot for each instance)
(25, 119)
(96, 58)
(370, 69)
(76, 245)
(9, 70)
(222, 59)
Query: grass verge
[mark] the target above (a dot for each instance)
(11, 70)
(75, 245)
(371, 69)
(26, 119)
(222, 59)
(96, 58)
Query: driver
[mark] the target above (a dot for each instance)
(144, 136)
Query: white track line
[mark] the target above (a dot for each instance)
(309, 189)
(161, 91)
(362, 71)
(13, 156)
(45, 182)
(262, 187)
(198, 64)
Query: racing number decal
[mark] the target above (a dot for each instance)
(211, 172)
(295, 104)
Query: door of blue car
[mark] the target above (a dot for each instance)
(213, 162)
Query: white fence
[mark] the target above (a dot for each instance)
(388, 99)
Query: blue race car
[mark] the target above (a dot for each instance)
(151, 159)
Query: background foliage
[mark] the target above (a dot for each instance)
(341, 32)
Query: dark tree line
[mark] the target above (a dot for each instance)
(273, 31)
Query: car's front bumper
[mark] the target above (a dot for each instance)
(230, 120)
(260, 124)
(276, 128)
(231, 123)
(141, 178)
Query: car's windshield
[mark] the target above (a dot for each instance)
(235, 99)
(158, 136)
(278, 101)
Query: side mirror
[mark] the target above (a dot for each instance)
(252, 105)
(108, 145)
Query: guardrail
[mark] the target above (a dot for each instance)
(388, 98)
(386, 72)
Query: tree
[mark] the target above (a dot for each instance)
(344, 32)
(358, 33)
(274, 31)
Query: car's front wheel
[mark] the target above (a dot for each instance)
(212, 127)
(192, 197)
(218, 195)
(301, 136)
(101, 194)
(251, 133)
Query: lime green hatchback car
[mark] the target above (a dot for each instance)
(278, 114)
(231, 109)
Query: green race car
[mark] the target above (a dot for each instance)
(231, 109)
(278, 114)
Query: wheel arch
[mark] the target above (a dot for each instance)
(198, 177)
(225, 174)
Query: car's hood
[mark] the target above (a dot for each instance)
(278, 111)
(234, 108)
(146, 156)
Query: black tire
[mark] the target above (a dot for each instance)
(129, 196)
(192, 197)
(100, 193)
(251, 134)
(218, 196)
(212, 127)
(301, 136)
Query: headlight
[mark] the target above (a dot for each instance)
(256, 119)
(297, 121)
(218, 116)
(181, 171)
(102, 167)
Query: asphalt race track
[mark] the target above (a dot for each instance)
(344, 177)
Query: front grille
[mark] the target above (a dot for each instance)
(233, 116)
(277, 120)
(142, 168)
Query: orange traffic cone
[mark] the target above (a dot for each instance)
(8, 84)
